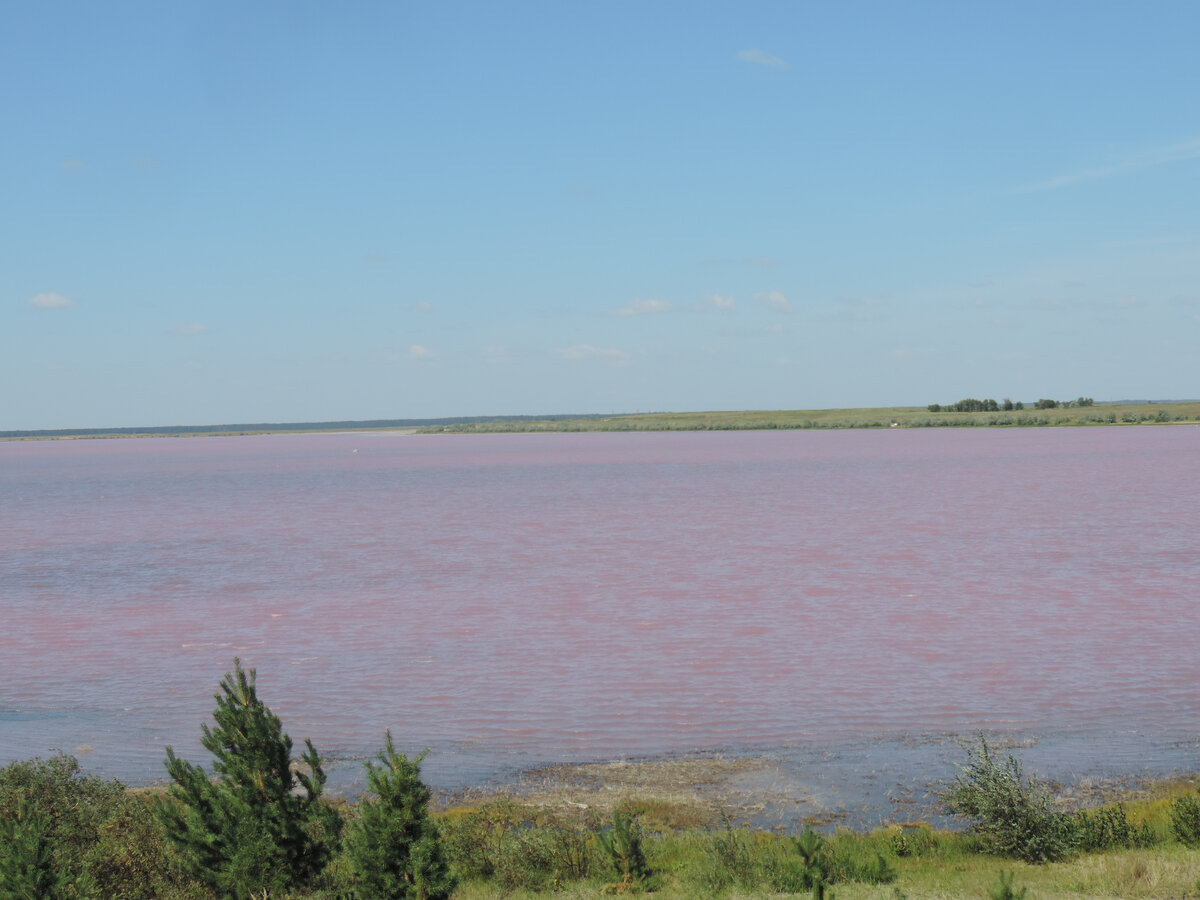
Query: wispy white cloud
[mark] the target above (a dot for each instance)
(51, 301)
(718, 301)
(423, 306)
(72, 165)
(416, 351)
(1146, 159)
(587, 351)
(496, 355)
(644, 307)
(773, 300)
(193, 329)
(144, 162)
(761, 58)
(758, 262)
(862, 309)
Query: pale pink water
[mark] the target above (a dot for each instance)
(509, 599)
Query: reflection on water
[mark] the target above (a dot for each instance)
(511, 600)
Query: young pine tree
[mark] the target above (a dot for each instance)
(259, 825)
(395, 848)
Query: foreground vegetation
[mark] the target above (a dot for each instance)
(262, 829)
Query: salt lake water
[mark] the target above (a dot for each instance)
(843, 600)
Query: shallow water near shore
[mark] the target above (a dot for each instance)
(838, 601)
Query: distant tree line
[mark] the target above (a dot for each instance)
(970, 404)
(261, 427)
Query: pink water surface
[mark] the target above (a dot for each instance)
(580, 596)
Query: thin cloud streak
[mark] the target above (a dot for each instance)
(1160, 156)
(644, 308)
(51, 301)
(773, 300)
(718, 301)
(761, 58)
(587, 351)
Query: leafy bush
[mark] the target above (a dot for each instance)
(474, 840)
(1108, 828)
(544, 857)
(497, 841)
(261, 826)
(1185, 820)
(64, 834)
(1013, 816)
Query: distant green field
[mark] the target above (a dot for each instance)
(881, 417)
(729, 420)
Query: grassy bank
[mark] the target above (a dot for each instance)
(263, 828)
(551, 846)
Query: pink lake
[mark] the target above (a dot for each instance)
(509, 600)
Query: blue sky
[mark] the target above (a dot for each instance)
(242, 212)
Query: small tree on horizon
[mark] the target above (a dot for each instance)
(260, 824)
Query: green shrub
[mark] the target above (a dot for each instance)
(1012, 816)
(1185, 820)
(543, 858)
(1108, 828)
(498, 841)
(475, 840)
(72, 835)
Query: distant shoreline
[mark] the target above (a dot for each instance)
(1123, 413)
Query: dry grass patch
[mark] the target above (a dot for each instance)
(687, 792)
(1168, 871)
